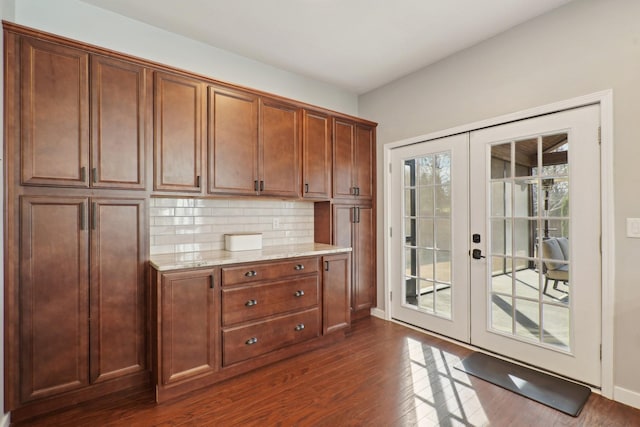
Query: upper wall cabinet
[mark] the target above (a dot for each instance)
(254, 145)
(59, 145)
(316, 155)
(179, 104)
(279, 149)
(121, 102)
(233, 141)
(54, 114)
(353, 160)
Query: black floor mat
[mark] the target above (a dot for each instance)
(560, 394)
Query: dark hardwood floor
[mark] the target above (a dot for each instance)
(383, 374)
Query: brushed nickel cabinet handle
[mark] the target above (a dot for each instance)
(299, 267)
(299, 327)
(251, 303)
(251, 273)
(251, 341)
(299, 293)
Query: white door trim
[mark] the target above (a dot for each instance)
(605, 99)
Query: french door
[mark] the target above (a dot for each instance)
(499, 240)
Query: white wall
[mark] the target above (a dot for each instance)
(90, 24)
(578, 49)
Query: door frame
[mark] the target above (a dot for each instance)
(605, 100)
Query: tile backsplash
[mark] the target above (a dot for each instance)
(188, 225)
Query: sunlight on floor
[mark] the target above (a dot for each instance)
(443, 395)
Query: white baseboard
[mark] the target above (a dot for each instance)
(628, 397)
(376, 312)
(6, 420)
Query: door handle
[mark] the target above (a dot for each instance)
(477, 254)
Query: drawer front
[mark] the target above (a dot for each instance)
(249, 273)
(249, 341)
(241, 304)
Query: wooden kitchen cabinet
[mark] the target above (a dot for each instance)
(316, 155)
(336, 292)
(118, 345)
(121, 104)
(354, 226)
(233, 142)
(279, 142)
(82, 318)
(268, 306)
(60, 146)
(353, 160)
(254, 145)
(54, 113)
(53, 297)
(179, 105)
(188, 305)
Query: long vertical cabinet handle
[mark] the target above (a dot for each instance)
(354, 217)
(358, 215)
(82, 217)
(83, 173)
(211, 281)
(94, 214)
(94, 175)
(326, 266)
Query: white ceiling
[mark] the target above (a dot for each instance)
(357, 45)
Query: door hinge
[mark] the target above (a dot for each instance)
(391, 296)
(599, 134)
(601, 244)
(390, 231)
(389, 167)
(600, 351)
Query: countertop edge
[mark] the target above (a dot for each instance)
(220, 258)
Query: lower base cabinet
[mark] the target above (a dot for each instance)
(214, 323)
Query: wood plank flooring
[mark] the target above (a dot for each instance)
(383, 374)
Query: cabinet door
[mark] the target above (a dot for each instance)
(120, 93)
(54, 114)
(53, 296)
(343, 217)
(336, 291)
(189, 327)
(117, 288)
(343, 159)
(364, 260)
(363, 168)
(179, 104)
(233, 142)
(316, 155)
(279, 161)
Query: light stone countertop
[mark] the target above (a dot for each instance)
(179, 261)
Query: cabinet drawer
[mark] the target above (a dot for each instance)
(241, 304)
(249, 341)
(273, 270)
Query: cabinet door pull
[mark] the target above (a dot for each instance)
(94, 215)
(299, 267)
(251, 341)
(251, 303)
(299, 293)
(326, 266)
(94, 175)
(198, 181)
(358, 212)
(83, 173)
(352, 191)
(306, 188)
(255, 185)
(251, 273)
(299, 327)
(82, 219)
(211, 282)
(261, 185)
(357, 191)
